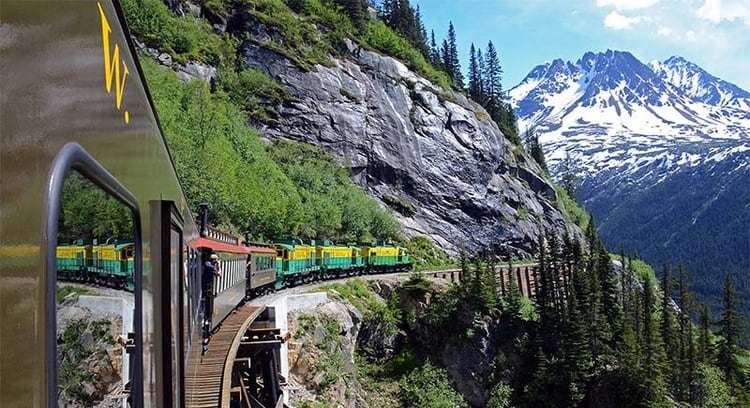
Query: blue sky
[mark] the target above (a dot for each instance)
(715, 34)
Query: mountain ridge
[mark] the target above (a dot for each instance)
(662, 152)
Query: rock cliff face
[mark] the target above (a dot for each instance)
(430, 154)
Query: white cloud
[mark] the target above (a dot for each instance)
(716, 11)
(627, 4)
(664, 31)
(617, 21)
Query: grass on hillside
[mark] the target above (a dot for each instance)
(571, 210)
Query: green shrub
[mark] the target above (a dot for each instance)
(380, 37)
(220, 160)
(254, 91)
(424, 254)
(570, 209)
(184, 38)
(63, 292)
(428, 386)
(334, 208)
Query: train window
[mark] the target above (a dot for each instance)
(94, 292)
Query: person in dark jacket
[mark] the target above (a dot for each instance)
(210, 269)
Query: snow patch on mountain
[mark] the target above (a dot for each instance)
(611, 112)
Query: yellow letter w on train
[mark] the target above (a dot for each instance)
(112, 63)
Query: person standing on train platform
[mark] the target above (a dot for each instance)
(210, 269)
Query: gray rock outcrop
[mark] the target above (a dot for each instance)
(430, 154)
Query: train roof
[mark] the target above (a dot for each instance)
(225, 247)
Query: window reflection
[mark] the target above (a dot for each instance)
(95, 302)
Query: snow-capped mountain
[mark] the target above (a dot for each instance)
(699, 85)
(611, 99)
(622, 115)
(642, 137)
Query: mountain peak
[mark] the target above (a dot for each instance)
(671, 97)
(699, 85)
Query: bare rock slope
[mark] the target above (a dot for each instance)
(430, 154)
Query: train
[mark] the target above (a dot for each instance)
(270, 266)
(251, 269)
(110, 263)
(74, 102)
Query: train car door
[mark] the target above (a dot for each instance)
(169, 281)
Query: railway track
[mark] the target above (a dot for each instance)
(208, 380)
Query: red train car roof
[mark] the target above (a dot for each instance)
(225, 247)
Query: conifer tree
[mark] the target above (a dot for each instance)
(568, 177)
(610, 296)
(475, 81)
(654, 351)
(434, 51)
(492, 81)
(731, 329)
(555, 275)
(491, 281)
(450, 58)
(544, 297)
(400, 16)
(686, 351)
(420, 34)
(513, 294)
(668, 330)
(357, 10)
(482, 99)
(464, 275)
(534, 148)
(577, 346)
(704, 337)
(445, 57)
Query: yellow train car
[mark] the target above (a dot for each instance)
(73, 261)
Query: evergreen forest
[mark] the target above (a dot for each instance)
(598, 333)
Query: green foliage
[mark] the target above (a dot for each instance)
(711, 390)
(184, 38)
(360, 295)
(380, 37)
(220, 160)
(500, 396)
(73, 354)
(87, 212)
(571, 210)
(257, 93)
(288, 189)
(334, 208)
(403, 207)
(298, 38)
(332, 364)
(443, 310)
(425, 255)
(63, 292)
(416, 285)
(428, 386)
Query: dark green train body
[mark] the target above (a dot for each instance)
(109, 264)
(299, 261)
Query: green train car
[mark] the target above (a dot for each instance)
(296, 262)
(110, 264)
(113, 265)
(299, 261)
(336, 260)
(386, 258)
(73, 261)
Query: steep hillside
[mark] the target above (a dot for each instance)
(426, 152)
(661, 152)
